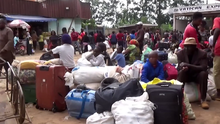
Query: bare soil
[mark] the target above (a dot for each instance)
(211, 116)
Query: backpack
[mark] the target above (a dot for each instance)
(47, 56)
(170, 72)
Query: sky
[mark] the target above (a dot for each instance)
(213, 1)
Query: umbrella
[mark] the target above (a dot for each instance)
(19, 24)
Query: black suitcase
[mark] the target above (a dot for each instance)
(168, 100)
(162, 56)
(163, 46)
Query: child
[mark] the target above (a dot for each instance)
(120, 57)
(97, 59)
(45, 46)
(152, 68)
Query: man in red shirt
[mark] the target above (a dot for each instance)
(95, 36)
(216, 51)
(74, 38)
(82, 33)
(191, 29)
(120, 38)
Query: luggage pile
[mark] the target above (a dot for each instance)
(26, 72)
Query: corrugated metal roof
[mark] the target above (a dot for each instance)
(144, 25)
(49, 8)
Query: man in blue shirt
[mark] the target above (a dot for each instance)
(152, 68)
(120, 57)
(132, 35)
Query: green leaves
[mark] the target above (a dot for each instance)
(124, 12)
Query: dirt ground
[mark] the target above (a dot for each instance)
(211, 116)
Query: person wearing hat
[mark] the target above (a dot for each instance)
(65, 51)
(192, 67)
(140, 35)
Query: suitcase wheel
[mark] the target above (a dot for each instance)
(54, 109)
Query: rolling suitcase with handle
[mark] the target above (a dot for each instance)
(168, 99)
(50, 88)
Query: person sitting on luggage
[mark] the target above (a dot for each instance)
(192, 67)
(152, 68)
(65, 52)
(96, 58)
(120, 57)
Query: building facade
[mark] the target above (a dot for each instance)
(69, 13)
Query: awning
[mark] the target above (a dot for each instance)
(29, 18)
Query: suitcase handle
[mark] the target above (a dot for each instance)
(164, 84)
(44, 68)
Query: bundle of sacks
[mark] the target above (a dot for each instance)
(25, 70)
(115, 103)
(92, 76)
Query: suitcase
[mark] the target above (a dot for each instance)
(162, 56)
(50, 88)
(163, 46)
(168, 100)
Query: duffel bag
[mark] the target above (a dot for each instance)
(111, 91)
(80, 103)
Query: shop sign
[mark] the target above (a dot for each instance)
(199, 8)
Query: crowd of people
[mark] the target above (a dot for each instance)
(193, 46)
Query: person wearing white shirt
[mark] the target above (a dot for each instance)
(66, 52)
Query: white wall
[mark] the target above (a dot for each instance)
(64, 22)
(78, 25)
(181, 25)
(52, 26)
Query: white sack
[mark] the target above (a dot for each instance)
(68, 77)
(211, 90)
(190, 112)
(107, 44)
(134, 110)
(83, 62)
(193, 93)
(102, 118)
(86, 75)
(172, 58)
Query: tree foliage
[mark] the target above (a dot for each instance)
(124, 12)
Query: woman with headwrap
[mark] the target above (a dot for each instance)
(133, 51)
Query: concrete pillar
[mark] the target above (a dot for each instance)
(174, 21)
